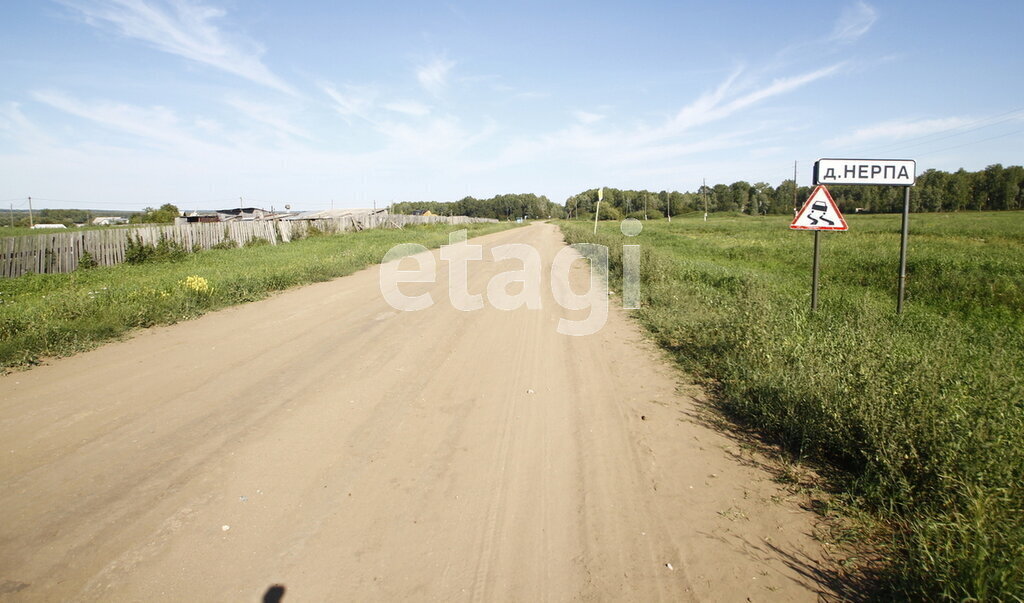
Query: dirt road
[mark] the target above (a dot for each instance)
(325, 442)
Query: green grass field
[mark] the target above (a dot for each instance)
(45, 315)
(24, 231)
(922, 414)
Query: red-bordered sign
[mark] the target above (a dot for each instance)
(820, 212)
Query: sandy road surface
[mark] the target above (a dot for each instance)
(358, 453)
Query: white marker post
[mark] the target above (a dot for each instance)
(704, 189)
(886, 172)
(597, 212)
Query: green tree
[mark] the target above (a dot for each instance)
(782, 201)
(959, 190)
(720, 198)
(760, 198)
(165, 215)
(740, 196)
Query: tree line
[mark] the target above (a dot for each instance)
(165, 214)
(67, 217)
(501, 207)
(994, 188)
(754, 199)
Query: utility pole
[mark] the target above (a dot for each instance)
(704, 188)
(12, 215)
(645, 205)
(670, 208)
(240, 203)
(796, 205)
(31, 224)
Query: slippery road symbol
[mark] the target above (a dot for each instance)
(822, 207)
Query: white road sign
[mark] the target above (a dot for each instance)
(820, 212)
(899, 172)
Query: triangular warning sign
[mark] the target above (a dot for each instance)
(820, 212)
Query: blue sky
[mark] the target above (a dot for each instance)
(133, 103)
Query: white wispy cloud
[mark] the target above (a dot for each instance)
(17, 127)
(899, 130)
(777, 87)
(723, 102)
(588, 117)
(433, 76)
(350, 100)
(156, 124)
(270, 116)
(854, 22)
(408, 107)
(183, 28)
(440, 136)
(679, 135)
(430, 138)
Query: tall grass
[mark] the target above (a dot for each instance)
(922, 412)
(24, 231)
(58, 314)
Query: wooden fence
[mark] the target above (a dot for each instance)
(61, 251)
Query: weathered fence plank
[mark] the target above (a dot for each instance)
(61, 252)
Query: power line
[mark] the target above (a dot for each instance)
(902, 144)
(959, 130)
(958, 146)
(972, 142)
(78, 202)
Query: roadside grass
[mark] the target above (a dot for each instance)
(21, 231)
(24, 231)
(921, 413)
(46, 315)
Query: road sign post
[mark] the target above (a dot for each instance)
(814, 270)
(884, 172)
(819, 213)
(904, 239)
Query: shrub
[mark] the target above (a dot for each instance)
(136, 252)
(610, 212)
(86, 261)
(166, 250)
(651, 214)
